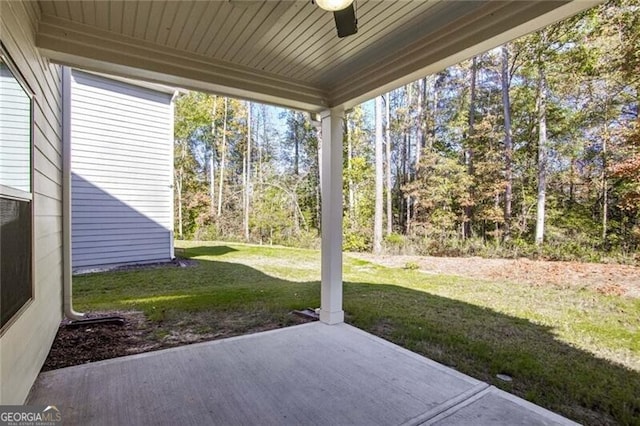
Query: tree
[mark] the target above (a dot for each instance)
(389, 188)
(508, 144)
(542, 154)
(377, 222)
(468, 154)
(247, 174)
(300, 149)
(350, 188)
(359, 161)
(440, 191)
(192, 136)
(223, 151)
(212, 177)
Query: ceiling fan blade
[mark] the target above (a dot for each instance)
(346, 22)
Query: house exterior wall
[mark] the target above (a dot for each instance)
(122, 172)
(25, 341)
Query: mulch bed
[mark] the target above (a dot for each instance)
(81, 345)
(73, 346)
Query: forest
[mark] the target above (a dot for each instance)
(531, 149)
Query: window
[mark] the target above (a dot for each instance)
(16, 195)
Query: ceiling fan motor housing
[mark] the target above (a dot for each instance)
(346, 22)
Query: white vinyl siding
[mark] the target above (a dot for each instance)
(122, 154)
(25, 342)
(15, 127)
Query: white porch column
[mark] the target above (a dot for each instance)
(331, 249)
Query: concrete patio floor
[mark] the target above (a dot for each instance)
(307, 374)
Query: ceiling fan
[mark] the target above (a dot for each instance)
(344, 14)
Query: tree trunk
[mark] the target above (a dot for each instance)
(407, 222)
(402, 178)
(434, 111)
(508, 144)
(377, 221)
(407, 163)
(524, 213)
(408, 130)
(572, 179)
(468, 154)
(179, 186)
(422, 91)
(180, 213)
(296, 154)
(179, 191)
(388, 167)
(351, 206)
(542, 154)
(263, 110)
(247, 187)
(244, 190)
(212, 185)
(223, 157)
(605, 193)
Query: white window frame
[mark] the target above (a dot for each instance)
(19, 195)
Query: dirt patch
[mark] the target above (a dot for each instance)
(74, 346)
(608, 279)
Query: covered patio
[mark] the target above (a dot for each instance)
(308, 374)
(284, 53)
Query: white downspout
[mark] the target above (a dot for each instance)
(69, 312)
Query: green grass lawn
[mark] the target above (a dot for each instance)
(574, 351)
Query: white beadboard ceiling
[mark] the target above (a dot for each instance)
(283, 52)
